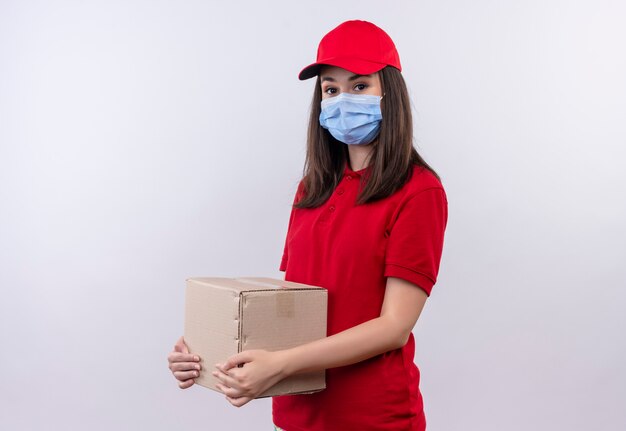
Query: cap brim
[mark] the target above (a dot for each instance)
(310, 71)
(358, 66)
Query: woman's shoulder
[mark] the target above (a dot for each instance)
(300, 190)
(421, 179)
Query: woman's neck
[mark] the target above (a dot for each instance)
(359, 156)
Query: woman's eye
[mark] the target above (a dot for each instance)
(360, 87)
(330, 90)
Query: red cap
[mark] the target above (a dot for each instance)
(357, 46)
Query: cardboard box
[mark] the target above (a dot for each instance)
(224, 316)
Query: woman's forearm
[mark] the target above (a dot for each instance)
(401, 308)
(353, 345)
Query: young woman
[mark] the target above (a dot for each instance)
(368, 224)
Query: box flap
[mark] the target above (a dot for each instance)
(273, 283)
(245, 284)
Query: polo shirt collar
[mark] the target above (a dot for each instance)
(348, 171)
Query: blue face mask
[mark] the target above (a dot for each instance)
(353, 119)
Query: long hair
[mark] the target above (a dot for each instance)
(392, 158)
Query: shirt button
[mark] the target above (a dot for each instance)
(331, 208)
(339, 191)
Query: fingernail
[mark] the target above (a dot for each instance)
(195, 373)
(196, 358)
(197, 367)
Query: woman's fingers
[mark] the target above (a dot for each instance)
(186, 375)
(233, 396)
(237, 359)
(180, 346)
(186, 384)
(238, 402)
(182, 357)
(228, 391)
(185, 366)
(225, 379)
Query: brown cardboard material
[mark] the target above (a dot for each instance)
(225, 316)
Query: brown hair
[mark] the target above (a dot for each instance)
(391, 160)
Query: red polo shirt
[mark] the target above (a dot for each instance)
(350, 250)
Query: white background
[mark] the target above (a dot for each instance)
(143, 142)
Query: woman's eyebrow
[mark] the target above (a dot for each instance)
(352, 78)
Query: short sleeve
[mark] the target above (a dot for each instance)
(415, 240)
(285, 258)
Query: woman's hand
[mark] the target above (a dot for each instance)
(183, 365)
(260, 371)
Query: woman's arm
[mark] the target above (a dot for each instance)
(402, 306)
